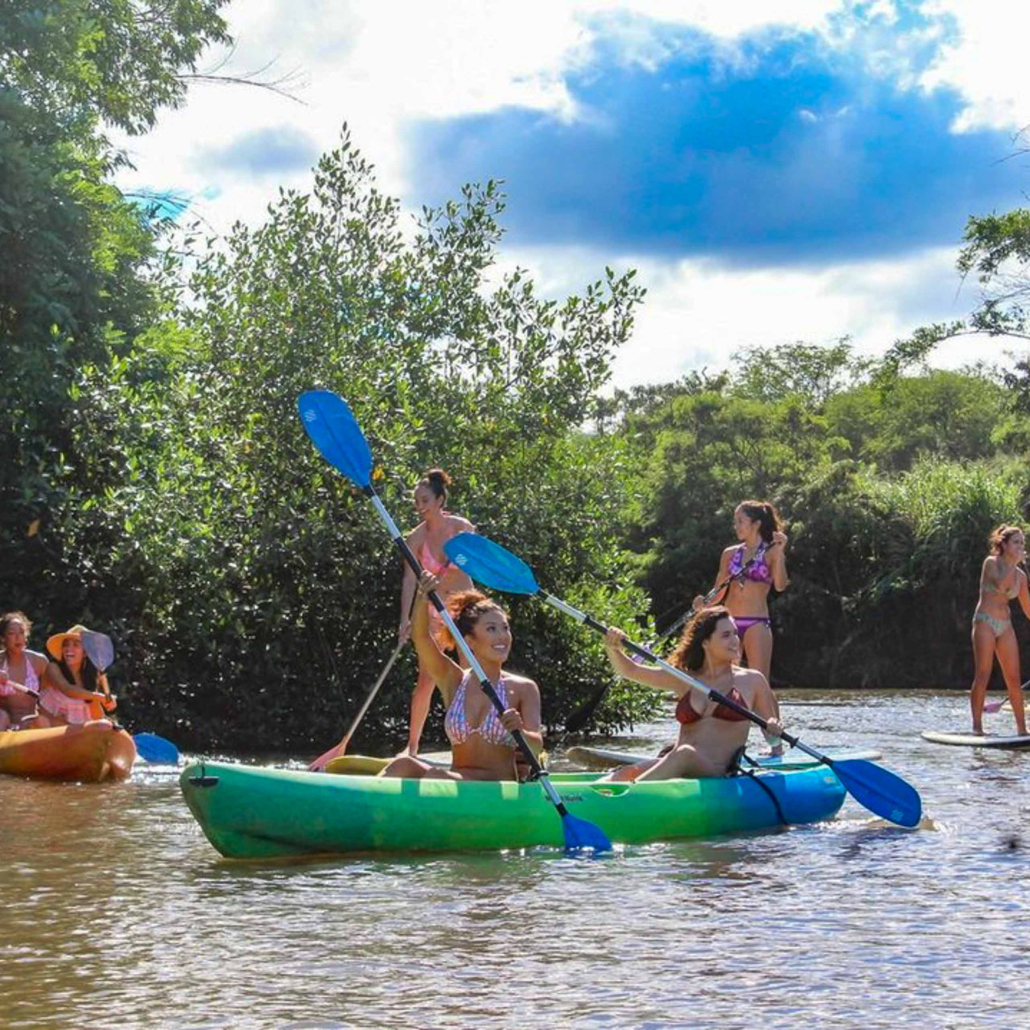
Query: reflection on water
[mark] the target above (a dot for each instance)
(117, 913)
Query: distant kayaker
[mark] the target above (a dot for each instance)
(426, 540)
(711, 735)
(1001, 581)
(74, 691)
(750, 570)
(21, 672)
(481, 745)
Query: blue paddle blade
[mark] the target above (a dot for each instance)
(156, 749)
(490, 564)
(880, 790)
(334, 431)
(98, 648)
(581, 835)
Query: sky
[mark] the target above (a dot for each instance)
(776, 170)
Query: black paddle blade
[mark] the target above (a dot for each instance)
(880, 790)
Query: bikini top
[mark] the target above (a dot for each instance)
(1012, 593)
(430, 562)
(491, 729)
(687, 714)
(31, 679)
(757, 570)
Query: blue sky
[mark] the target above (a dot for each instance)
(776, 170)
(781, 148)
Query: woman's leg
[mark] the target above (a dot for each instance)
(628, 773)
(983, 659)
(682, 762)
(407, 768)
(757, 645)
(421, 699)
(1007, 651)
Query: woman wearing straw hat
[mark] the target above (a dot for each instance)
(74, 691)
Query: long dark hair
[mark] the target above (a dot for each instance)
(767, 517)
(88, 671)
(690, 653)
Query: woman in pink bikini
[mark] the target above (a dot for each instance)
(1001, 581)
(711, 735)
(21, 672)
(481, 745)
(426, 540)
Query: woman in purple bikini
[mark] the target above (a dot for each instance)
(426, 540)
(753, 567)
(1001, 581)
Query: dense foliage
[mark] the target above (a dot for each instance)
(156, 482)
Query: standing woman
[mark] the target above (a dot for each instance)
(19, 668)
(1001, 581)
(753, 567)
(426, 541)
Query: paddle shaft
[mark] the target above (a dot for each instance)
(371, 696)
(434, 598)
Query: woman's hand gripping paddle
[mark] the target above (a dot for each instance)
(879, 790)
(151, 747)
(338, 437)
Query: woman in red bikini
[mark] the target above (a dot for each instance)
(1001, 581)
(426, 541)
(711, 735)
(481, 744)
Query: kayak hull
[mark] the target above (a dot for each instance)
(251, 812)
(90, 753)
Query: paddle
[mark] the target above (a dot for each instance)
(585, 712)
(150, 746)
(996, 706)
(338, 749)
(879, 790)
(338, 437)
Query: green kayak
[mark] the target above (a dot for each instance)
(253, 812)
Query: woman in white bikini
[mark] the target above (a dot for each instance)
(426, 540)
(21, 672)
(1001, 581)
(482, 747)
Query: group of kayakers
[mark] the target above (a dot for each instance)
(733, 619)
(59, 688)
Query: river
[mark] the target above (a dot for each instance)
(116, 912)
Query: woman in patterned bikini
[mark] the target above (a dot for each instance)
(482, 748)
(426, 540)
(711, 735)
(1001, 581)
(21, 672)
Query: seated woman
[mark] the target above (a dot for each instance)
(74, 691)
(20, 672)
(482, 748)
(711, 735)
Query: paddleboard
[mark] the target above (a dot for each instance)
(604, 758)
(976, 739)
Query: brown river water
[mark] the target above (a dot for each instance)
(116, 912)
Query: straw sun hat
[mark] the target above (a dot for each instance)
(53, 644)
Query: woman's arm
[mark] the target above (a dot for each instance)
(1024, 592)
(525, 716)
(413, 540)
(777, 553)
(647, 675)
(445, 673)
(765, 705)
(53, 676)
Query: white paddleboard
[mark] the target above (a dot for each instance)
(976, 739)
(604, 758)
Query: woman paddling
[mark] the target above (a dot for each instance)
(481, 745)
(1001, 581)
(74, 692)
(426, 540)
(21, 672)
(711, 735)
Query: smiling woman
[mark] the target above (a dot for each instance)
(483, 748)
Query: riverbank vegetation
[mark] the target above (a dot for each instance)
(157, 483)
